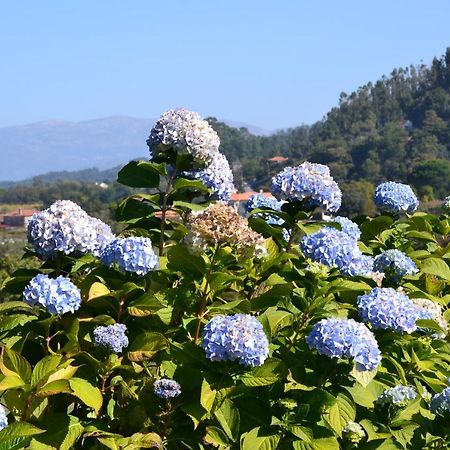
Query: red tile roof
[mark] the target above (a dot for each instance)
(22, 212)
(278, 159)
(244, 196)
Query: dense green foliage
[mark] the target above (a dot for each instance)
(63, 392)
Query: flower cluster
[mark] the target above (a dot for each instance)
(353, 431)
(308, 181)
(446, 204)
(3, 418)
(166, 388)
(57, 295)
(186, 133)
(337, 338)
(440, 403)
(221, 224)
(398, 396)
(336, 248)
(428, 309)
(387, 308)
(65, 227)
(132, 254)
(348, 227)
(217, 176)
(239, 337)
(395, 197)
(261, 201)
(112, 336)
(394, 264)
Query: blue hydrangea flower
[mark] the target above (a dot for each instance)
(335, 248)
(440, 403)
(395, 197)
(3, 418)
(165, 388)
(399, 396)
(387, 308)
(112, 336)
(261, 201)
(217, 176)
(65, 227)
(394, 264)
(185, 132)
(427, 309)
(239, 337)
(132, 254)
(348, 226)
(57, 295)
(446, 204)
(339, 338)
(308, 181)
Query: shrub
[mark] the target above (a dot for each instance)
(226, 335)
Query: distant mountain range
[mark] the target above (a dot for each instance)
(54, 146)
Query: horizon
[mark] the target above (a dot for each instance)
(285, 67)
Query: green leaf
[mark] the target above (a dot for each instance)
(260, 439)
(45, 367)
(436, 266)
(140, 174)
(145, 305)
(216, 437)
(340, 414)
(181, 260)
(140, 440)
(146, 345)
(178, 204)
(207, 396)
(88, 394)
(270, 372)
(14, 364)
(54, 387)
(11, 382)
(185, 183)
(366, 395)
(18, 430)
(228, 417)
(363, 377)
(8, 306)
(61, 433)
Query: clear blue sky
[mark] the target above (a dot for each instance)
(273, 64)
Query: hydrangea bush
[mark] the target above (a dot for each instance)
(199, 329)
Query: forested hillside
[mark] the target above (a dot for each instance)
(397, 128)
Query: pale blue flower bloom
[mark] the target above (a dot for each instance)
(308, 181)
(395, 197)
(338, 338)
(112, 336)
(348, 227)
(386, 308)
(238, 337)
(440, 403)
(65, 227)
(217, 176)
(336, 248)
(3, 418)
(261, 201)
(166, 388)
(132, 254)
(394, 264)
(398, 396)
(186, 133)
(58, 295)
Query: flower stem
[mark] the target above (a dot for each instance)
(164, 210)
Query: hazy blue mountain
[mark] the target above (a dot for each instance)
(54, 146)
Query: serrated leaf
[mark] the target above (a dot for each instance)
(97, 290)
(228, 417)
(436, 266)
(18, 430)
(145, 305)
(260, 439)
(270, 372)
(216, 437)
(340, 414)
(87, 393)
(146, 345)
(14, 364)
(363, 377)
(11, 382)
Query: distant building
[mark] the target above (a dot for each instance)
(102, 185)
(278, 159)
(18, 218)
(239, 199)
(275, 164)
(408, 125)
